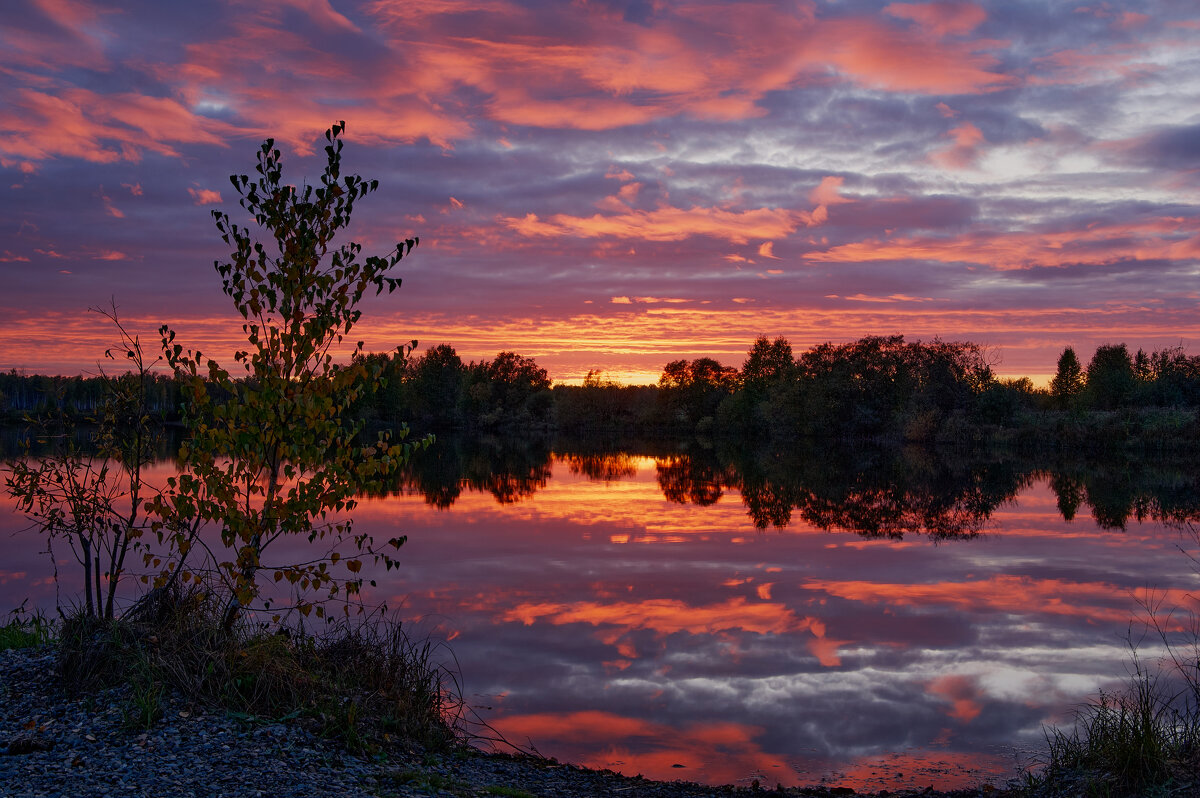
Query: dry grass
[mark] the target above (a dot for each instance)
(368, 684)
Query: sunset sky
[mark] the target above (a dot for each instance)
(610, 184)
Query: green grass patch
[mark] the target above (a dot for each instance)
(25, 630)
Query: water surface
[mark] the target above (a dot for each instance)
(901, 621)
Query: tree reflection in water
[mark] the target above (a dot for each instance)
(875, 492)
(511, 469)
(611, 467)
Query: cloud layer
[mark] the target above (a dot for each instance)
(1025, 177)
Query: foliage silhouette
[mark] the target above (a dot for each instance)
(281, 455)
(1068, 379)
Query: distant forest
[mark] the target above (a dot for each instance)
(878, 388)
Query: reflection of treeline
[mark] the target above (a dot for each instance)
(889, 491)
(1115, 491)
(875, 491)
(872, 490)
(509, 468)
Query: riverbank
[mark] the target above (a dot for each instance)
(94, 745)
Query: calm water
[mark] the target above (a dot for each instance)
(894, 622)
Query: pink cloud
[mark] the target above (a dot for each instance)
(1170, 238)
(1093, 65)
(75, 38)
(699, 61)
(965, 151)
(204, 196)
(828, 192)
(940, 18)
(962, 693)
(1132, 19)
(883, 58)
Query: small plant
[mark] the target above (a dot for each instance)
(25, 630)
(143, 708)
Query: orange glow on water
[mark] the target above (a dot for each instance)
(717, 752)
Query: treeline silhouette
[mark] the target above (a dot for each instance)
(437, 391)
(875, 388)
(37, 394)
(889, 389)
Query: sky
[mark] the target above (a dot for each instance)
(602, 184)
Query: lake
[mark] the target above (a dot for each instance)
(868, 619)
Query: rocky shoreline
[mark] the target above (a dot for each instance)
(95, 746)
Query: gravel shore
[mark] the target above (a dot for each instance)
(52, 744)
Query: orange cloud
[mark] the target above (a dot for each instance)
(80, 123)
(666, 616)
(668, 224)
(828, 192)
(622, 73)
(669, 616)
(1171, 238)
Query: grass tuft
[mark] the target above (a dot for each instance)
(369, 685)
(25, 630)
(1142, 741)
